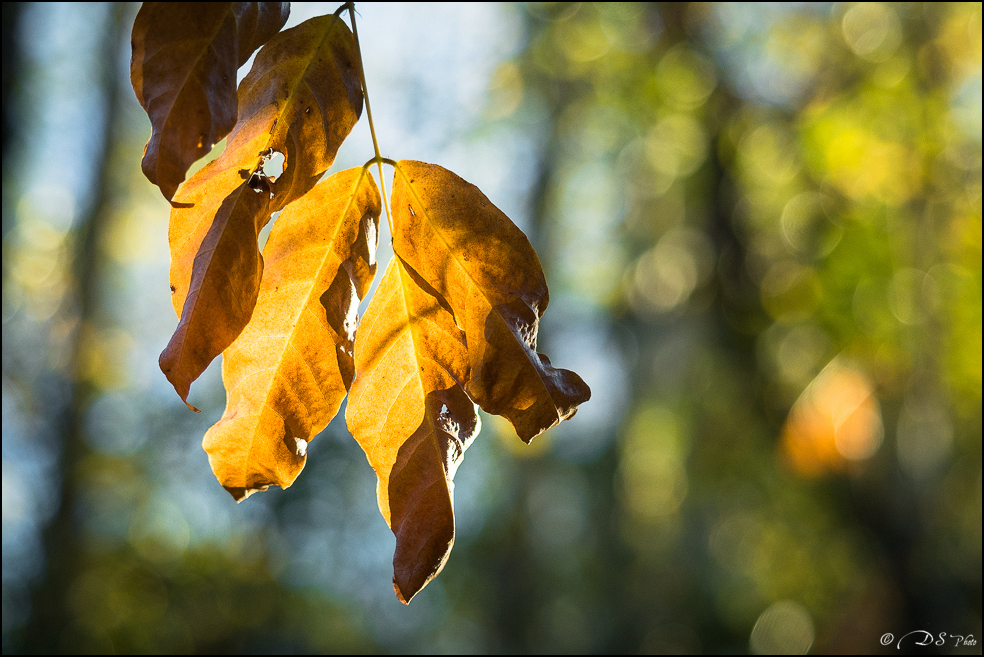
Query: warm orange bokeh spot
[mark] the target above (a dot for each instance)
(835, 421)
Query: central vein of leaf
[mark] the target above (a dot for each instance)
(292, 96)
(209, 45)
(429, 418)
(313, 290)
(454, 256)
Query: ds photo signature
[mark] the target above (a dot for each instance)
(924, 638)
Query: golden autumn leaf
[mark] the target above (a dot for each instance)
(215, 271)
(411, 416)
(487, 272)
(302, 98)
(183, 70)
(289, 370)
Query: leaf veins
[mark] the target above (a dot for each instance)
(487, 272)
(183, 70)
(304, 96)
(411, 416)
(289, 370)
(215, 272)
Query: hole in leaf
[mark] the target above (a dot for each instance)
(272, 164)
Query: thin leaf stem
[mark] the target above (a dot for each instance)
(372, 127)
(375, 160)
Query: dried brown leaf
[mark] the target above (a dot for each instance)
(303, 96)
(183, 70)
(487, 272)
(289, 370)
(410, 414)
(215, 271)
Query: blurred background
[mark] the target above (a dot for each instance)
(761, 227)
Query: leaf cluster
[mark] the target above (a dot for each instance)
(451, 327)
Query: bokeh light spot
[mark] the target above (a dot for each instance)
(836, 420)
(872, 30)
(785, 628)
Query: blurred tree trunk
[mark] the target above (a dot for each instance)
(12, 70)
(11, 61)
(50, 627)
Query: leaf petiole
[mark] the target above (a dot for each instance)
(372, 128)
(382, 160)
(347, 5)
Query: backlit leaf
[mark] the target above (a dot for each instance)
(410, 414)
(215, 270)
(301, 99)
(484, 267)
(289, 370)
(183, 70)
